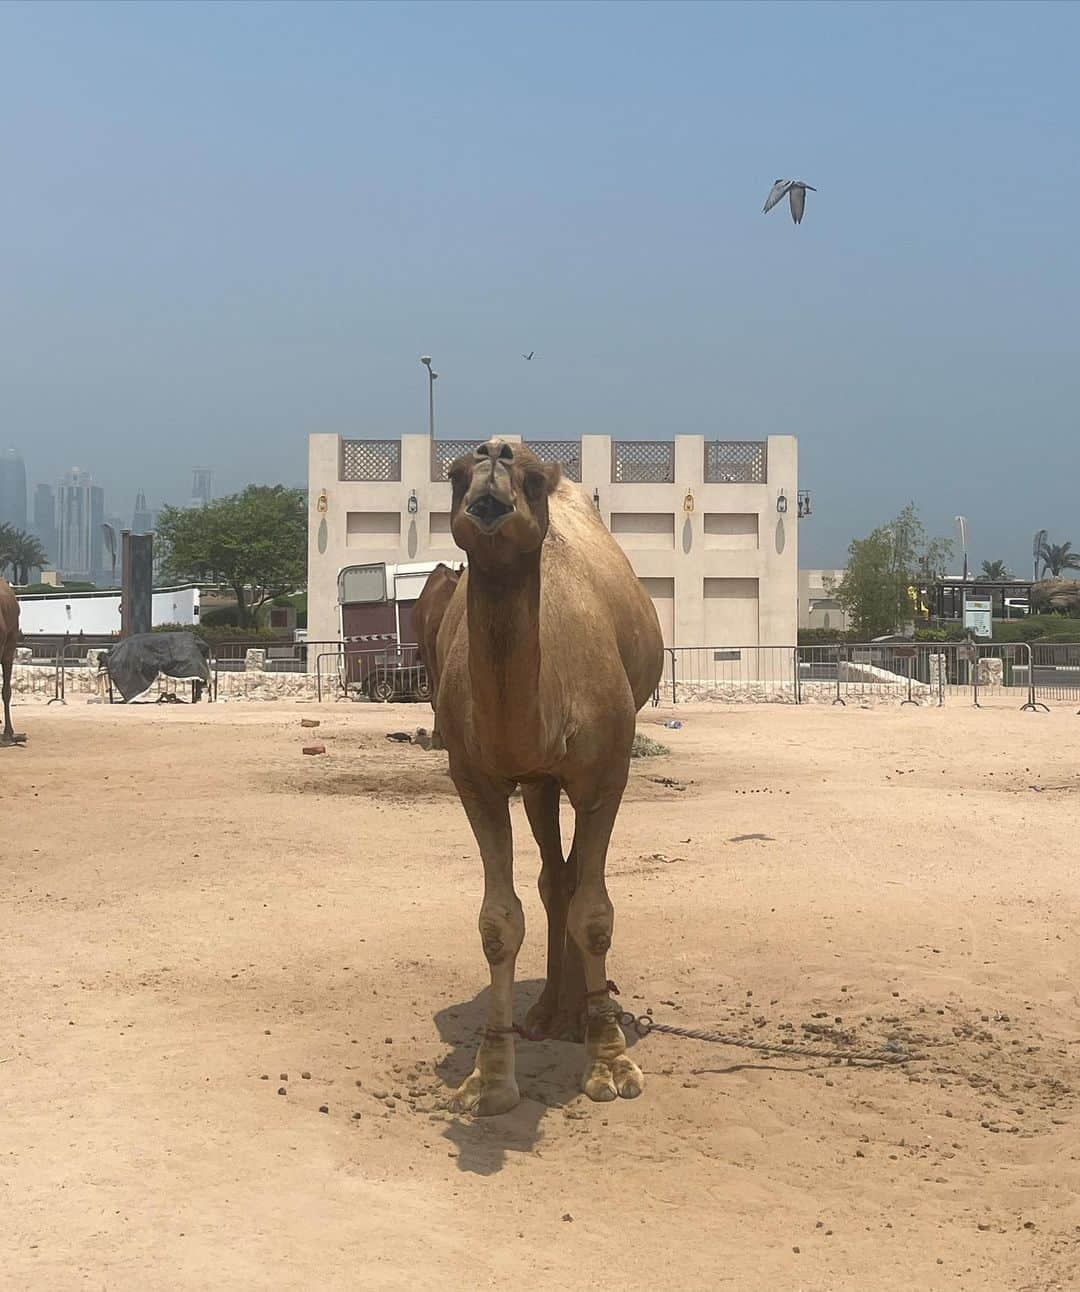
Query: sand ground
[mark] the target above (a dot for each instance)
(194, 916)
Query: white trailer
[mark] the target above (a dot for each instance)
(97, 614)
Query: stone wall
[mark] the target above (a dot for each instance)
(851, 692)
(34, 682)
(38, 682)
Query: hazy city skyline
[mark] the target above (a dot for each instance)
(237, 225)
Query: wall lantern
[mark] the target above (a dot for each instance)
(804, 503)
(323, 503)
(596, 498)
(688, 503)
(413, 505)
(781, 503)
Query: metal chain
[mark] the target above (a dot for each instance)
(891, 1052)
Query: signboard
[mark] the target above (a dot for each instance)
(978, 616)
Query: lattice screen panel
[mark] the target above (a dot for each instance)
(736, 462)
(445, 452)
(371, 460)
(643, 462)
(566, 452)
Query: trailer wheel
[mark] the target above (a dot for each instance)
(382, 690)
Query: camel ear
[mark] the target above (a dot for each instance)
(540, 481)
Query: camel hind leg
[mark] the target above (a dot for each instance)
(558, 1011)
(9, 730)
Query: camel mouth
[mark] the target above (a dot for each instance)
(488, 510)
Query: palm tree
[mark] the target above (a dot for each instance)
(1058, 557)
(7, 544)
(996, 571)
(22, 552)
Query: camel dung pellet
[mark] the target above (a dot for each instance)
(283, 1076)
(323, 1108)
(305, 1076)
(282, 1090)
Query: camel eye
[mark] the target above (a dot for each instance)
(535, 485)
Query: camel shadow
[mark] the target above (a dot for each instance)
(548, 1076)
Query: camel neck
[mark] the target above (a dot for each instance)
(504, 644)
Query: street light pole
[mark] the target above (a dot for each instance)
(961, 525)
(425, 359)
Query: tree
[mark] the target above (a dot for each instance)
(1057, 558)
(20, 552)
(256, 541)
(996, 571)
(883, 570)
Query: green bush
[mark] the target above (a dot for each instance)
(226, 634)
(823, 636)
(221, 617)
(1034, 628)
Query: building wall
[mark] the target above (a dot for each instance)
(724, 571)
(819, 586)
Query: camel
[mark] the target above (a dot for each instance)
(427, 617)
(9, 639)
(547, 651)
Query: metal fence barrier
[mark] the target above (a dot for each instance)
(388, 673)
(916, 673)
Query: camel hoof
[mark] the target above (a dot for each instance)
(484, 1097)
(598, 1084)
(629, 1079)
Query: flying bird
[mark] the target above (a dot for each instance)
(796, 195)
(529, 355)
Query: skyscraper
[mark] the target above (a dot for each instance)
(81, 508)
(144, 519)
(44, 528)
(12, 490)
(202, 487)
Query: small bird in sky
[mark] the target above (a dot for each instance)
(529, 355)
(796, 195)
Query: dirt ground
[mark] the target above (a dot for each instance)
(195, 918)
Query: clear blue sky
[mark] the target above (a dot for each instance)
(226, 225)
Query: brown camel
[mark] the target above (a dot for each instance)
(547, 651)
(427, 617)
(9, 639)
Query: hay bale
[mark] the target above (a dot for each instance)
(644, 747)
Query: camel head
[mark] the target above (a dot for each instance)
(500, 507)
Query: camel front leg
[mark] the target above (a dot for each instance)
(609, 1071)
(491, 1087)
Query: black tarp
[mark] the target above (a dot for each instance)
(135, 663)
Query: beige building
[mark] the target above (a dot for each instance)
(818, 606)
(710, 526)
